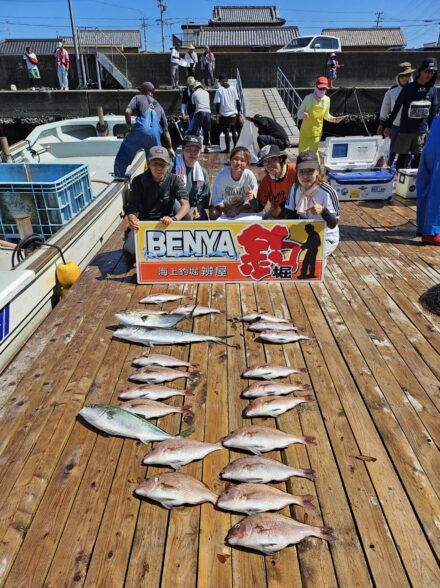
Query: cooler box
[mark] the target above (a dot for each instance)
(406, 183)
(350, 165)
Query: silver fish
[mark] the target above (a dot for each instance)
(152, 409)
(174, 489)
(261, 439)
(274, 406)
(157, 375)
(199, 310)
(267, 371)
(258, 389)
(253, 498)
(160, 298)
(116, 421)
(133, 318)
(153, 392)
(162, 360)
(259, 326)
(261, 470)
(179, 452)
(263, 316)
(270, 533)
(284, 337)
(151, 337)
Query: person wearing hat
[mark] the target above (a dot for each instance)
(314, 109)
(187, 108)
(277, 181)
(404, 74)
(192, 60)
(311, 198)
(418, 102)
(194, 176)
(228, 110)
(333, 65)
(151, 127)
(62, 63)
(269, 131)
(201, 122)
(207, 65)
(153, 197)
(31, 62)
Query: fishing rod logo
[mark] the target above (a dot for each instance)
(189, 243)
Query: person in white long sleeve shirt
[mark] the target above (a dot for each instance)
(404, 75)
(174, 64)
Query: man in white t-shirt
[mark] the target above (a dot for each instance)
(174, 64)
(228, 110)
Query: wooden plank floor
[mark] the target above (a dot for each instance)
(68, 514)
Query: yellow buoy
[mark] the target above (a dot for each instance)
(67, 273)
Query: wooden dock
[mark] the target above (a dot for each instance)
(68, 513)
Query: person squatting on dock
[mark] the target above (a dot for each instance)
(153, 197)
(418, 101)
(31, 62)
(311, 198)
(270, 132)
(150, 127)
(62, 63)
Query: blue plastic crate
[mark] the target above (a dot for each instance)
(51, 193)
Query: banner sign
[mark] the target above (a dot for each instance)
(235, 251)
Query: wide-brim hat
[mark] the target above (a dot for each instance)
(159, 153)
(197, 85)
(405, 69)
(191, 46)
(270, 151)
(190, 81)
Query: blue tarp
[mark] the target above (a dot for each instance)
(428, 184)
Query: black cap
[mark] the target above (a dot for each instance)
(223, 78)
(428, 63)
(307, 160)
(270, 151)
(192, 140)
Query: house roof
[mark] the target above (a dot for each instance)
(245, 37)
(368, 37)
(106, 38)
(18, 46)
(256, 15)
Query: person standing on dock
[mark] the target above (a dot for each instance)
(314, 109)
(174, 65)
(192, 60)
(332, 66)
(207, 65)
(228, 107)
(150, 127)
(31, 63)
(62, 62)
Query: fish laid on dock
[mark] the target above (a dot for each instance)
(274, 406)
(174, 489)
(263, 316)
(153, 392)
(260, 470)
(259, 326)
(157, 375)
(283, 337)
(267, 371)
(160, 298)
(262, 439)
(162, 360)
(132, 318)
(152, 409)
(253, 498)
(116, 421)
(178, 452)
(151, 337)
(199, 310)
(270, 533)
(259, 389)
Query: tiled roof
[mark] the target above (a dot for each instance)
(246, 14)
(370, 37)
(18, 46)
(106, 38)
(245, 37)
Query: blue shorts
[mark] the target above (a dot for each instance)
(331, 74)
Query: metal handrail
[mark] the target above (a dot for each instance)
(239, 88)
(98, 49)
(288, 94)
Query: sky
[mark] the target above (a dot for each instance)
(419, 19)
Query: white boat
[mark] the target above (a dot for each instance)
(27, 290)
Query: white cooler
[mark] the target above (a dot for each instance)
(406, 183)
(350, 161)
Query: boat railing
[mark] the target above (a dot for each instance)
(240, 93)
(288, 94)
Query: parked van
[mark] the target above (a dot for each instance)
(316, 43)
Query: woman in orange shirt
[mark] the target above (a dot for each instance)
(277, 182)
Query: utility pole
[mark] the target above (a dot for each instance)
(75, 44)
(144, 27)
(162, 8)
(378, 19)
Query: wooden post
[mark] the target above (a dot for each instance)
(6, 151)
(24, 225)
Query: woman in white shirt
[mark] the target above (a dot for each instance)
(311, 198)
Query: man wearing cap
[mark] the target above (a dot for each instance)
(194, 176)
(314, 109)
(153, 197)
(187, 108)
(207, 65)
(150, 128)
(192, 60)
(277, 181)
(404, 73)
(269, 131)
(201, 123)
(62, 62)
(31, 62)
(418, 101)
(228, 110)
